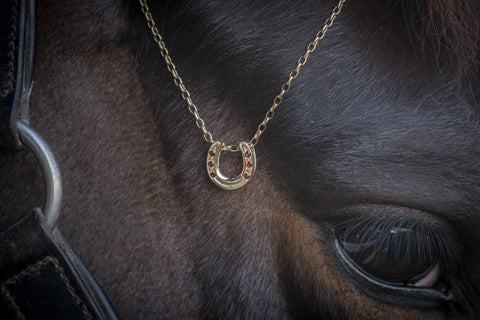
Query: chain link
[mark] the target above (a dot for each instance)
(295, 72)
(173, 70)
(276, 101)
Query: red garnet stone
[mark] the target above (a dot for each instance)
(210, 164)
(246, 175)
(249, 164)
(212, 174)
(211, 153)
(248, 154)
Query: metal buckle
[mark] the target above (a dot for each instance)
(50, 170)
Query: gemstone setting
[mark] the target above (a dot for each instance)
(213, 162)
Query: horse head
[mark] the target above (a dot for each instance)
(365, 203)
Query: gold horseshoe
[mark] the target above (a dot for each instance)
(213, 162)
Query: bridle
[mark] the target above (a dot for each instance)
(40, 274)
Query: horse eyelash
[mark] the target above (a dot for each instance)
(436, 240)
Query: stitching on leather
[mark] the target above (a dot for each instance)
(13, 36)
(70, 288)
(35, 267)
(12, 303)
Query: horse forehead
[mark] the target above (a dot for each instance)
(366, 114)
(413, 145)
(417, 151)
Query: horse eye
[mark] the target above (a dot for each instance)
(398, 255)
(393, 254)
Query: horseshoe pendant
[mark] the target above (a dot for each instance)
(213, 162)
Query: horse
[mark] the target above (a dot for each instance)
(366, 199)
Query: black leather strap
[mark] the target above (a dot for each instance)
(42, 278)
(17, 26)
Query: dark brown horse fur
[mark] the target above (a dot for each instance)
(378, 123)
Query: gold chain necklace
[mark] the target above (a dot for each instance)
(247, 148)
